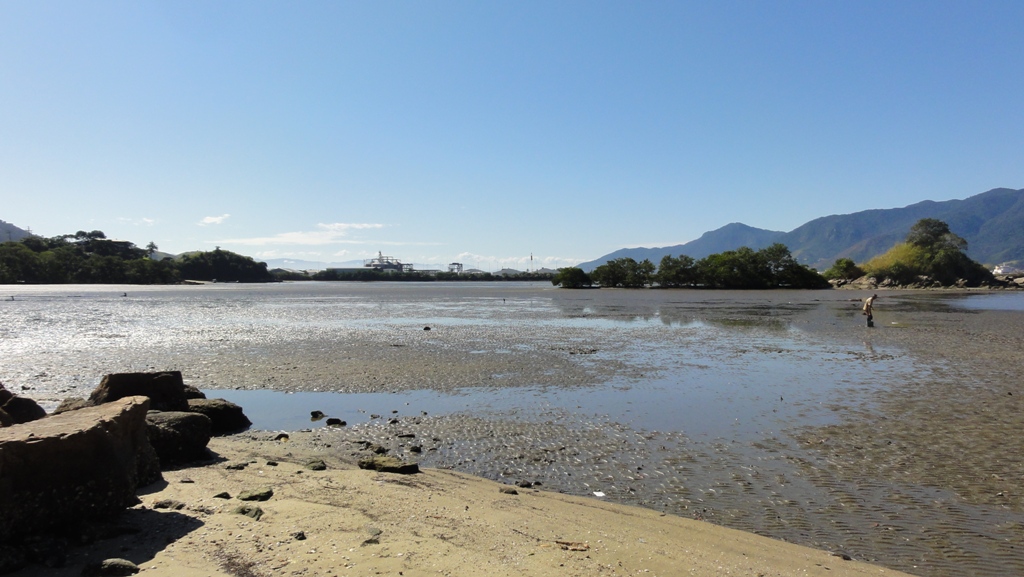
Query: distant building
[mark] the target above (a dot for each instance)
(1007, 268)
(387, 264)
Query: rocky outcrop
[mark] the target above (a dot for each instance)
(386, 464)
(15, 409)
(74, 467)
(71, 404)
(192, 392)
(166, 390)
(23, 410)
(178, 437)
(225, 416)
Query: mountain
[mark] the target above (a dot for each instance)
(10, 232)
(992, 223)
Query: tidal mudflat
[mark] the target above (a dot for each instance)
(773, 412)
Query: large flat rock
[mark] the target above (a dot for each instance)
(76, 466)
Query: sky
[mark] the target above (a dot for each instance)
(484, 132)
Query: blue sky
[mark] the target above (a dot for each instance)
(484, 132)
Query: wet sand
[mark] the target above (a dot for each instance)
(917, 470)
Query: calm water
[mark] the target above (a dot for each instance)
(1008, 301)
(695, 367)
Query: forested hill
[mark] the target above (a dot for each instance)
(992, 223)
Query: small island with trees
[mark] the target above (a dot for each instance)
(92, 258)
(931, 256)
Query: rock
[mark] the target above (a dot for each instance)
(5, 395)
(236, 466)
(23, 410)
(508, 491)
(299, 535)
(45, 550)
(178, 437)
(316, 465)
(166, 390)
(192, 392)
(169, 504)
(333, 422)
(249, 511)
(256, 495)
(110, 568)
(74, 467)
(11, 559)
(222, 495)
(281, 437)
(5, 419)
(225, 416)
(388, 465)
(71, 404)
(316, 415)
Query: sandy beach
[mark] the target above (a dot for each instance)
(346, 521)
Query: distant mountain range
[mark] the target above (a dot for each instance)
(10, 232)
(992, 223)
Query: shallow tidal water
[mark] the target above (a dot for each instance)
(717, 405)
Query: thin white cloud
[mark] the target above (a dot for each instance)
(137, 221)
(300, 254)
(332, 233)
(207, 220)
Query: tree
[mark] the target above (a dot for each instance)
(611, 273)
(934, 235)
(675, 272)
(732, 269)
(844, 269)
(151, 248)
(223, 265)
(624, 272)
(571, 277)
(640, 275)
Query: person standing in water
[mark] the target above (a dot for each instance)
(869, 306)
